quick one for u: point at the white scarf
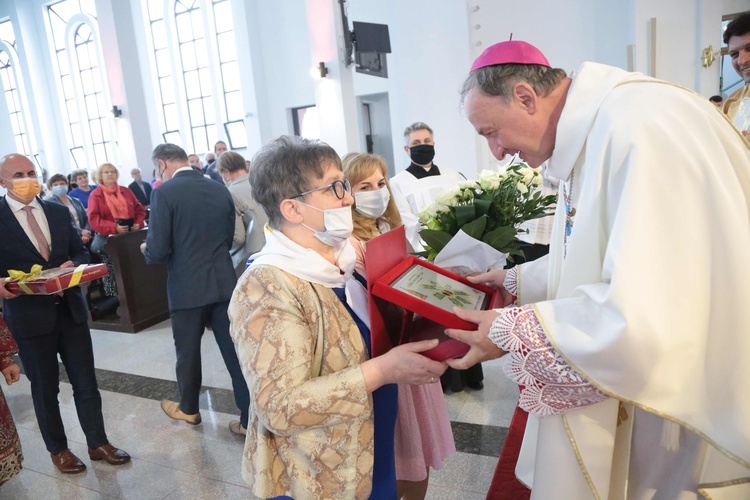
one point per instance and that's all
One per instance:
(307, 264)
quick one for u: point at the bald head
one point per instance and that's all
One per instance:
(13, 163)
(16, 167)
(11, 160)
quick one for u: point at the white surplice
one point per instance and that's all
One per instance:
(647, 295)
(413, 195)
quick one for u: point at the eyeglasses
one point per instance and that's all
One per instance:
(107, 172)
(340, 188)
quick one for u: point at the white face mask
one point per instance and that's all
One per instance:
(338, 225)
(372, 204)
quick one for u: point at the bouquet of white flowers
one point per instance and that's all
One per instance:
(489, 211)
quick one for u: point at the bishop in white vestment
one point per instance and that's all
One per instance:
(631, 337)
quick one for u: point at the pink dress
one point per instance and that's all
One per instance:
(424, 437)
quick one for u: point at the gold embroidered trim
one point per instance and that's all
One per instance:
(643, 407)
(720, 484)
(579, 458)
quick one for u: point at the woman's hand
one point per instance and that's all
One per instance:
(85, 236)
(482, 348)
(403, 365)
(122, 229)
(136, 227)
(12, 374)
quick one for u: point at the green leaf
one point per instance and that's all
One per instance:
(465, 214)
(435, 239)
(500, 238)
(475, 228)
(482, 206)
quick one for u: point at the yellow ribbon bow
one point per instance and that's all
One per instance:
(21, 277)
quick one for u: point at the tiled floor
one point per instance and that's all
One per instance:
(172, 460)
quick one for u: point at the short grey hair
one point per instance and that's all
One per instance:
(286, 167)
(413, 128)
(498, 80)
(168, 152)
(134, 170)
(230, 161)
(75, 173)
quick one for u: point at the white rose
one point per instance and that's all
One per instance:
(448, 197)
(528, 174)
(428, 213)
(467, 185)
(522, 188)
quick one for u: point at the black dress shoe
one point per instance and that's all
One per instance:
(477, 386)
(110, 454)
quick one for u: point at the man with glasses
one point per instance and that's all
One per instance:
(191, 227)
(45, 326)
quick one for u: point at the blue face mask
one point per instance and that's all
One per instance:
(60, 190)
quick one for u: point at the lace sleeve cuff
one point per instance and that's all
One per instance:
(511, 281)
(551, 387)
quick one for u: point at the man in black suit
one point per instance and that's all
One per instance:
(141, 190)
(191, 228)
(41, 232)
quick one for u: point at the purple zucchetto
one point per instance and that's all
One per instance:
(510, 52)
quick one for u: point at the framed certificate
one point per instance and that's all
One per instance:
(432, 292)
(439, 290)
(411, 299)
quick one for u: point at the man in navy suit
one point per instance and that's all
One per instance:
(41, 232)
(191, 228)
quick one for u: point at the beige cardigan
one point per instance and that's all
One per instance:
(308, 436)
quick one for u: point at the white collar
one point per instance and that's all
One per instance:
(17, 206)
(305, 263)
(582, 103)
(187, 168)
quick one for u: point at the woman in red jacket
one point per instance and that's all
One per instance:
(113, 209)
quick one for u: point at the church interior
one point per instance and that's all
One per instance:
(87, 82)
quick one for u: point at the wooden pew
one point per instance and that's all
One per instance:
(142, 287)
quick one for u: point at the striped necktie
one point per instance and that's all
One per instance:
(38, 234)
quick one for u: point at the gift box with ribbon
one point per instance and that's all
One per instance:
(47, 282)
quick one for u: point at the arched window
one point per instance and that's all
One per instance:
(82, 87)
(197, 84)
(14, 93)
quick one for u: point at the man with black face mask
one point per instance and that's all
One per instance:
(413, 190)
(416, 187)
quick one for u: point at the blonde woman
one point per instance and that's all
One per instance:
(423, 436)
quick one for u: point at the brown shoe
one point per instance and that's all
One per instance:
(112, 455)
(237, 428)
(67, 463)
(172, 409)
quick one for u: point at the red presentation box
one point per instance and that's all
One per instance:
(412, 299)
(57, 279)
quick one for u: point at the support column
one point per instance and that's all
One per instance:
(334, 94)
(122, 66)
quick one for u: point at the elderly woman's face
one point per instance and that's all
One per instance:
(323, 199)
(109, 176)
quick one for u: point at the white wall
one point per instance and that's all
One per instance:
(433, 43)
